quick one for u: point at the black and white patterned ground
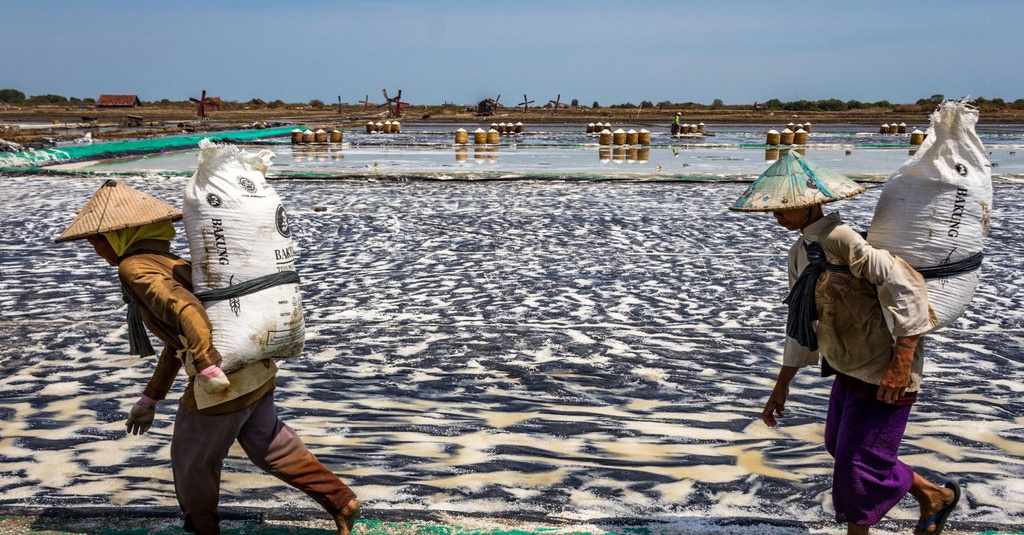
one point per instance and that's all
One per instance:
(553, 350)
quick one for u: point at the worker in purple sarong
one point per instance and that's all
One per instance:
(863, 311)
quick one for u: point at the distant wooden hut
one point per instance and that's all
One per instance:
(257, 102)
(118, 101)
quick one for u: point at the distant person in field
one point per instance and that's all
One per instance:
(677, 123)
(132, 231)
(839, 287)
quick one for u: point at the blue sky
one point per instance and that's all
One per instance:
(610, 52)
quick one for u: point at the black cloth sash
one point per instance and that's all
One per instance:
(138, 342)
(248, 287)
(950, 269)
(802, 309)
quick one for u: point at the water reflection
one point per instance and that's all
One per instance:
(623, 154)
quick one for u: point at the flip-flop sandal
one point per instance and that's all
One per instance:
(940, 517)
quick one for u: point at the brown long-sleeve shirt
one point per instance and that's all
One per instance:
(160, 283)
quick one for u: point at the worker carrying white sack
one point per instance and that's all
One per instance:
(243, 257)
(935, 210)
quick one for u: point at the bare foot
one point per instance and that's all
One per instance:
(346, 518)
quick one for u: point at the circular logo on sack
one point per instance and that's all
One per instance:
(213, 200)
(961, 169)
(282, 222)
(248, 185)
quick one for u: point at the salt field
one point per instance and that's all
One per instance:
(577, 341)
(728, 152)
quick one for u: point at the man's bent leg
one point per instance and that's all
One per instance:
(275, 448)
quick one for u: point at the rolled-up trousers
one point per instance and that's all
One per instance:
(201, 443)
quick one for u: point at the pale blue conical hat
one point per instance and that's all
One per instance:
(794, 182)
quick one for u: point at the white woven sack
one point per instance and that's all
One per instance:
(936, 208)
(237, 231)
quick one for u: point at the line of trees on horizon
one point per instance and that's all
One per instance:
(15, 97)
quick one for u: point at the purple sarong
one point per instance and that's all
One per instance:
(864, 435)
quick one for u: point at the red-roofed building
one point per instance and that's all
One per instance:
(118, 101)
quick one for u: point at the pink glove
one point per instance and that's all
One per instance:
(213, 380)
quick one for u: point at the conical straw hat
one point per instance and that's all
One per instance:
(794, 182)
(116, 206)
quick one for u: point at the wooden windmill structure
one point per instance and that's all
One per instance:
(489, 106)
(525, 104)
(394, 105)
(557, 103)
(202, 103)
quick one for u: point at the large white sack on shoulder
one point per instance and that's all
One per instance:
(936, 208)
(237, 231)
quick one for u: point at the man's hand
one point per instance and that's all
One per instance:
(776, 404)
(141, 417)
(213, 380)
(897, 376)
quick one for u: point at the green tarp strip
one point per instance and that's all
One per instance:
(114, 149)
